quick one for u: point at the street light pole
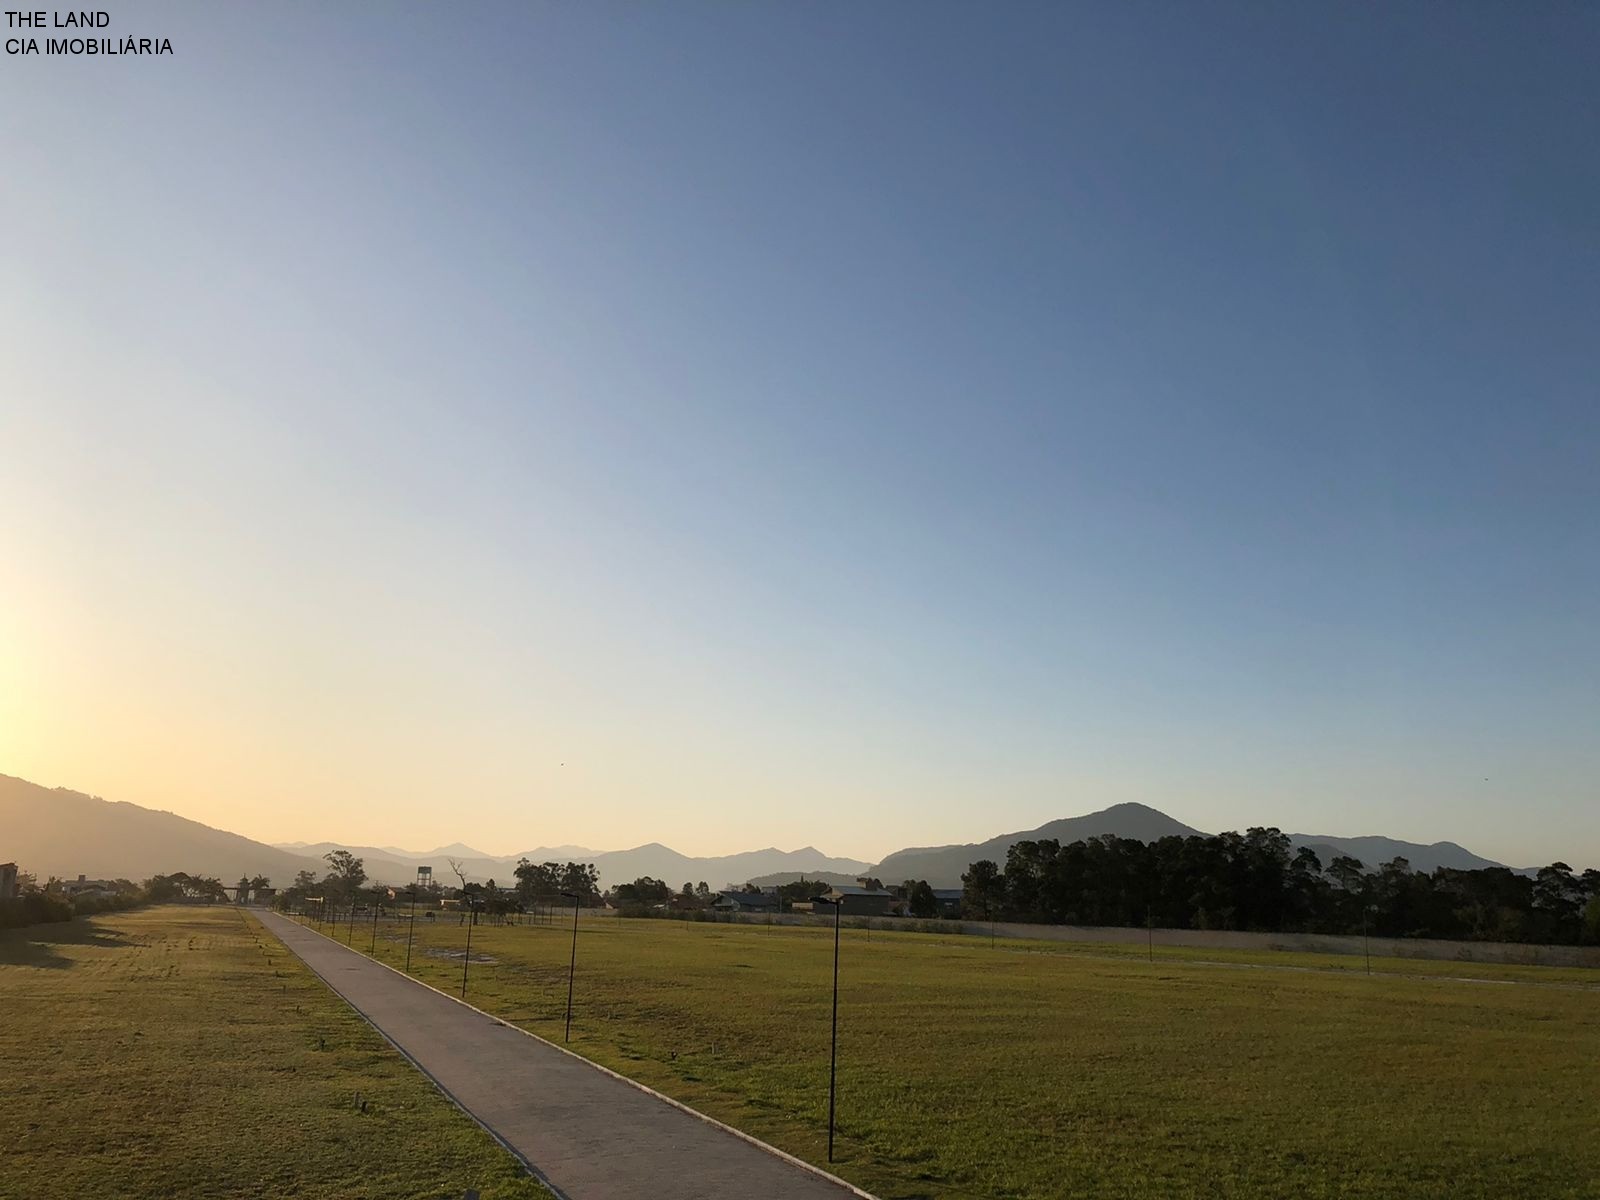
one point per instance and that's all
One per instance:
(350, 933)
(572, 966)
(833, 1048)
(411, 932)
(373, 948)
(467, 958)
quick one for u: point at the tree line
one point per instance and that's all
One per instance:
(1257, 881)
(43, 903)
(345, 883)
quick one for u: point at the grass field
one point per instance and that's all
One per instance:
(1488, 972)
(1031, 1070)
(181, 1052)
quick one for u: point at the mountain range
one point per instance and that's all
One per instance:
(942, 866)
(614, 866)
(55, 831)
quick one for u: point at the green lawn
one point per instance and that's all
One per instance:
(1135, 948)
(181, 1052)
(1032, 1070)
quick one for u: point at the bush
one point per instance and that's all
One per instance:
(38, 908)
(34, 908)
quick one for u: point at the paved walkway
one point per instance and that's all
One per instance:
(587, 1134)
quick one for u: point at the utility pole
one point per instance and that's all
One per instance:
(572, 967)
(466, 959)
(412, 931)
(833, 1052)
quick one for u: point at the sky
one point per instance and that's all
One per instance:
(756, 424)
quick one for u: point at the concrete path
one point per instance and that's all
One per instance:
(587, 1134)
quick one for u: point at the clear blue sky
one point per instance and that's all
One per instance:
(733, 424)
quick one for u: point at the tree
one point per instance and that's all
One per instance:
(347, 873)
(1559, 897)
(922, 901)
(1591, 921)
(1347, 872)
(582, 880)
(983, 888)
(159, 889)
(538, 883)
(644, 891)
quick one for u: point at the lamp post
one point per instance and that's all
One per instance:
(373, 948)
(833, 1048)
(412, 931)
(1366, 943)
(466, 959)
(572, 967)
(350, 933)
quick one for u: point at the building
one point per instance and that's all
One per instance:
(761, 902)
(949, 901)
(89, 887)
(8, 881)
(863, 901)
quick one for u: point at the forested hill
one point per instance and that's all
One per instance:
(54, 831)
(943, 866)
(1257, 880)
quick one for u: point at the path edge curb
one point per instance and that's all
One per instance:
(812, 1168)
(494, 1133)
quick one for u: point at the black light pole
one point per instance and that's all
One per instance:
(410, 933)
(349, 936)
(373, 949)
(833, 1050)
(1366, 944)
(1150, 931)
(572, 967)
(467, 958)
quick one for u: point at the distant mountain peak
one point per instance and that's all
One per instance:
(456, 850)
(942, 866)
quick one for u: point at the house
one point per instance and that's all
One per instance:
(949, 901)
(8, 881)
(862, 901)
(745, 902)
(88, 887)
